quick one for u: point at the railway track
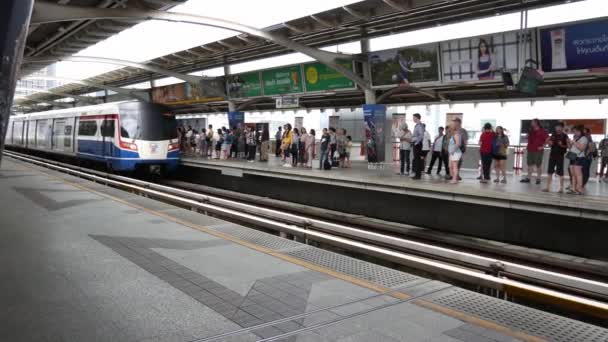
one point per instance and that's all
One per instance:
(566, 291)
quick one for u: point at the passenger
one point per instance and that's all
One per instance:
(295, 147)
(590, 154)
(604, 163)
(558, 142)
(189, 137)
(537, 136)
(333, 144)
(219, 142)
(576, 154)
(237, 148)
(417, 140)
(324, 149)
(499, 153)
(426, 147)
(278, 136)
(286, 144)
(405, 147)
(464, 139)
(455, 152)
(486, 146)
(445, 155)
(309, 147)
(265, 144)
(437, 155)
(302, 148)
(227, 145)
(202, 143)
(341, 147)
(210, 141)
(349, 147)
(251, 145)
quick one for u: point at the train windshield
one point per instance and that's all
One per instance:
(144, 121)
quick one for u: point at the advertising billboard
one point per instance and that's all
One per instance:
(320, 77)
(285, 80)
(575, 47)
(244, 85)
(374, 118)
(207, 90)
(484, 57)
(414, 64)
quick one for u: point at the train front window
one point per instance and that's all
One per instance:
(146, 121)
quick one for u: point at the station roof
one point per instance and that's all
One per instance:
(370, 18)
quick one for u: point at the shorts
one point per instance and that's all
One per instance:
(581, 161)
(556, 166)
(535, 158)
(499, 157)
(456, 156)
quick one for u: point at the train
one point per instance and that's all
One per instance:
(126, 136)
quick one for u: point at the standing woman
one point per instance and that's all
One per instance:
(250, 143)
(576, 154)
(485, 61)
(203, 143)
(341, 146)
(501, 146)
(302, 147)
(286, 144)
(265, 145)
(218, 141)
(455, 154)
(309, 148)
(295, 147)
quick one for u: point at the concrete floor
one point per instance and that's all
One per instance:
(83, 262)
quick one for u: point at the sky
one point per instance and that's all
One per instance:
(152, 39)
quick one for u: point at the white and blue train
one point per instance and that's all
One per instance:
(125, 136)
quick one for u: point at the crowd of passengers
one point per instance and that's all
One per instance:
(297, 147)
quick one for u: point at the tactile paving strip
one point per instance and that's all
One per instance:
(360, 269)
(517, 317)
(257, 237)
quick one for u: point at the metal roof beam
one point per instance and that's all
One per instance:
(139, 95)
(58, 93)
(46, 12)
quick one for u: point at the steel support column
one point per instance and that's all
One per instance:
(14, 21)
(370, 94)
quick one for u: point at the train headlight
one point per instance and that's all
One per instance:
(174, 146)
(128, 146)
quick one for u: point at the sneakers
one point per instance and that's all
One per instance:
(538, 182)
(496, 180)
(504, 181)
(525, 180)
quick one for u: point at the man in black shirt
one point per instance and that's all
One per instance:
(558, 142)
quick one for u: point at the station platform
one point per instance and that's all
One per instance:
(84, 262)
(513, 213)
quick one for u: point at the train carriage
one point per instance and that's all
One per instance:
(126, 136)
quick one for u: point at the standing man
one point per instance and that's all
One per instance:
(417, 140)
(277, 136)
(604, 162)
(559, 145)
(324, 148)
(437, 155)
(537, 136)
(405, 148)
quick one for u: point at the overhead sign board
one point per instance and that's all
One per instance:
(575, 47)
(287, 102)
(244, 85)
(207, 90)
(285, 80)
(414, 64)
(484, 57)
(320, 77)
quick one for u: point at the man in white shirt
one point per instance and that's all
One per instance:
(437, 147)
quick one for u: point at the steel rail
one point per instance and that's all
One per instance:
(260, 217)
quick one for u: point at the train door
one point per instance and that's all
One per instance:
(31, 134)
(58, 134)
(108, 133)
(69, 136)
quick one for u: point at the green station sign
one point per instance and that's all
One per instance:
(286, 80)
(320, 77)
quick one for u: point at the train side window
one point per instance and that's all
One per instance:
(107, 128)
(87, 128)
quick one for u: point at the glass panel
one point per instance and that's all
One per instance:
(107, 128)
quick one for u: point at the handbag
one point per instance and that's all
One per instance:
(571, 156)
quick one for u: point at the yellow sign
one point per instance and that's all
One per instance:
(312, 75)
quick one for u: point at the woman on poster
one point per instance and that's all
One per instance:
(485, 61)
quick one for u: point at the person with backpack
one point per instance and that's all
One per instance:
(558, 142)
(426, 147)
(437, 155)
(537, 136)
(590, 154)
(603, 149)
(499, 154)
(324, 163)
(486, 148)
(576, 155)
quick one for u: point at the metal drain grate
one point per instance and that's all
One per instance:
(257, 237)
(360, 269)
(531, 321)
